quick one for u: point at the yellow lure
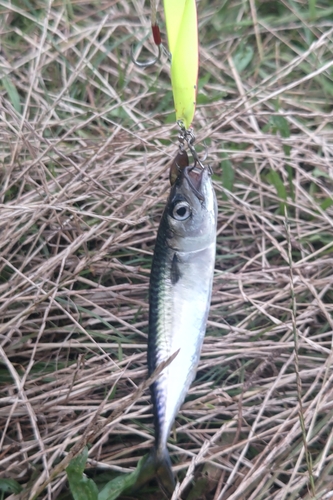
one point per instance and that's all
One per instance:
(182, 30)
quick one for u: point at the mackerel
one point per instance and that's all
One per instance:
(179, 300)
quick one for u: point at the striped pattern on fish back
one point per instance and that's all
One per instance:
(158, 301)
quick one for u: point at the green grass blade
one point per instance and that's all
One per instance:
(10, 486)
(12, 92)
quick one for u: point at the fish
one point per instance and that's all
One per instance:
(179, 300)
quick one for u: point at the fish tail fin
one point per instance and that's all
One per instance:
(165, 476)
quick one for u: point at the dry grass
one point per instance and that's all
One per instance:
(86, 139)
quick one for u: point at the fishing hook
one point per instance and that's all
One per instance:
(158, 41)
(146, 64)
(189, 137)
(195, 191)
(196, 157)
(190, 142)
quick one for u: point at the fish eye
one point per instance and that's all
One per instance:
(181, 211)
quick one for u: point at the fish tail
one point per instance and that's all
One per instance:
(165, 476)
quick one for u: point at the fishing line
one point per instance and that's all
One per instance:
(153, 8)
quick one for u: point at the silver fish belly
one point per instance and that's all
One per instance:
(180, 293)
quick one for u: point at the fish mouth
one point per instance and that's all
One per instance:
(194, 176)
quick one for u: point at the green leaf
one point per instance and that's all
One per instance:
(312, 10)
(199, 488)
(280, 124)
(203, 80)
(243, 57)
(320, 173)
(275, 179)
(328, 202)
(77, 464)
(82, 487)
(114, 488)
(12, 92)
(286, 149)
(10, 486)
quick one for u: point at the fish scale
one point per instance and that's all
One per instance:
(179, 299)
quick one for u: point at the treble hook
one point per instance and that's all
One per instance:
(189, 137)
(146, 64)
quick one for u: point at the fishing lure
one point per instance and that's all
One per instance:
(182, 29)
